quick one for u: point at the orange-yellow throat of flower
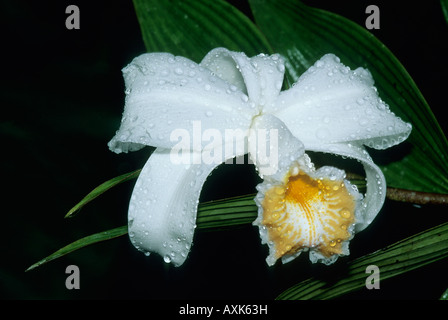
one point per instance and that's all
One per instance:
(308, 213)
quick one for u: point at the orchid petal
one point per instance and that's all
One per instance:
(331, 104)
(376, 182)
(163, 206)
(260, 76)
(167, 93)
(226, 65)
(272, 147)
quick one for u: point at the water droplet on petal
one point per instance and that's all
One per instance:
(345, 213)
(281, 67)
(320, 64)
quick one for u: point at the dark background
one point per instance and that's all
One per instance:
(62, 97)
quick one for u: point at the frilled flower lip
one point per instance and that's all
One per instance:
(330, 109)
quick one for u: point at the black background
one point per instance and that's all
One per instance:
(62, 97)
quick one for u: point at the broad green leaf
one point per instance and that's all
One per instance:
(303, 34)
(406, 255)
(191, 28)
(101, 189)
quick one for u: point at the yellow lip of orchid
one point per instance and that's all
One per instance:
(330, 109)
(308, 210)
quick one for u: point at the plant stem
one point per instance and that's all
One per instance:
(416, 197)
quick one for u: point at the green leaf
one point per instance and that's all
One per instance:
(81, 243)
(444, 296)
(444, 5)
(101, 189)
(211, 215)
(303, 34)
(227, 212)
(191, 28)
(406, 255)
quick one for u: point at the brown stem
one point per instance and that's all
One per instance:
(416, 197)
(410, 196)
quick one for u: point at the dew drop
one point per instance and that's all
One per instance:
(281, 67)
(244, 98)
(345, 213)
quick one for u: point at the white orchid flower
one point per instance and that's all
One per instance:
(236, 106)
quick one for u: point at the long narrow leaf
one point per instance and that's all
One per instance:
(444, 5)
(81, 243)
(101, 189)
(227, 212)
(403, 256)
(444, 296)
(213, 214)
